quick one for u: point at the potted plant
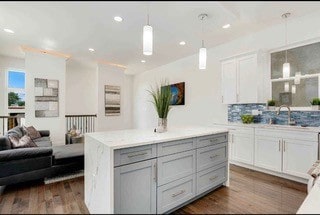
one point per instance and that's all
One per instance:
(161, 100)
(271, 104)
(315, 104)
(247, 118)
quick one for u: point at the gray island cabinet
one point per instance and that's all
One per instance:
(138, 171)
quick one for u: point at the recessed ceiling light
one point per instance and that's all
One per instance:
(117, 18)
(182, 43)
(226, 26)
(8, 30)
(143, 61)
(91, 49)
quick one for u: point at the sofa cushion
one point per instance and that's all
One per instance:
(43, 143)
(23, 142)
(4, 143)
(41, 139)
(32, 132)
(68, 153)
(24, 153)
(16, 131)
(24, 165)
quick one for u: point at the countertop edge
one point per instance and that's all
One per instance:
(206, 133)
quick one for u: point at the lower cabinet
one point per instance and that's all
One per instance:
(268, 153)
(242, 145)
(172, 178)
(298, 156)
(172, 195)
(291, 153)
(210, 178)
(135, 188)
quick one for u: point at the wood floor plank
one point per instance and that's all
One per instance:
(250, 192)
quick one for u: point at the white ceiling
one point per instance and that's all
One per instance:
(73, 27)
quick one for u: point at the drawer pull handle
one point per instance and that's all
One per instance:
(179, 193)
(213, 140)
(214, 156)
(213, 178)
(135, 155)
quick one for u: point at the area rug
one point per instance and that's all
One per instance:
(64, 177)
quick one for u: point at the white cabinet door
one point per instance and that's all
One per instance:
(268, 153)
(247, 79)
(298, 156)
(229, 82)
(242, 147)
(135, 188)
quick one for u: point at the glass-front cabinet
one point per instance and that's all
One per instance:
(302, 85)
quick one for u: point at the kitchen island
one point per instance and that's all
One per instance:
(139, 171)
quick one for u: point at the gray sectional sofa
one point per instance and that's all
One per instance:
(24, 164)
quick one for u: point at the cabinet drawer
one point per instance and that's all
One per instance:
(211, 140)
(212, 177)
(175, 193)
(135, 154)
(176, 146)
(176, 166)
(212, 155)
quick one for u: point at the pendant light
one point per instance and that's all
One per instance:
(202, 50)
(293, 89)
(297, 78)
(286, 87)
(286, 65)
(147, 38)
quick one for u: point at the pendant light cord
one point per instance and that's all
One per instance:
(202, 32)
(148, 13)
(286, 39)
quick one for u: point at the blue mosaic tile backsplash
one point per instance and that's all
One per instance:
(309, 118)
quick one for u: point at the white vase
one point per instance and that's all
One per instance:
(162, 125)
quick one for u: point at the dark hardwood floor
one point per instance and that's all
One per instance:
(249, 192)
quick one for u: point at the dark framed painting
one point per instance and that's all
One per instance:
(178, 94)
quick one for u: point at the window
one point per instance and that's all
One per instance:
(16, 90)
(303, 84)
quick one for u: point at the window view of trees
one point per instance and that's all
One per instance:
(16, 89)
(15, 100)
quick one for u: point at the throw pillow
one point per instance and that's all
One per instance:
(32, 132)
(23, 142)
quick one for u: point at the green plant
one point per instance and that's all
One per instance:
(247, 118)
(271, 102)
(315, 101)
(161, 99)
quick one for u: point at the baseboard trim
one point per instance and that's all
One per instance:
(281, 175)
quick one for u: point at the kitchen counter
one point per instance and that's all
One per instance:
(109, 154)
(311, 204)
(138, 137)
(272, 126)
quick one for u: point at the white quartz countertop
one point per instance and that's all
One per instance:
(272, 126)
(137, 137)
(311, 204)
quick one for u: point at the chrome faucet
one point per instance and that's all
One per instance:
(290, 122)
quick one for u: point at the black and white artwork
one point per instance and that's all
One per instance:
(46, 97)
(112, 100)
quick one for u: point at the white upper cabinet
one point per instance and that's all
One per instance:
(229, 82)
(241, 78)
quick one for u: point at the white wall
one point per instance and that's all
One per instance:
(46, 67)
(81, 88)
(109, 75)
(203, 104)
